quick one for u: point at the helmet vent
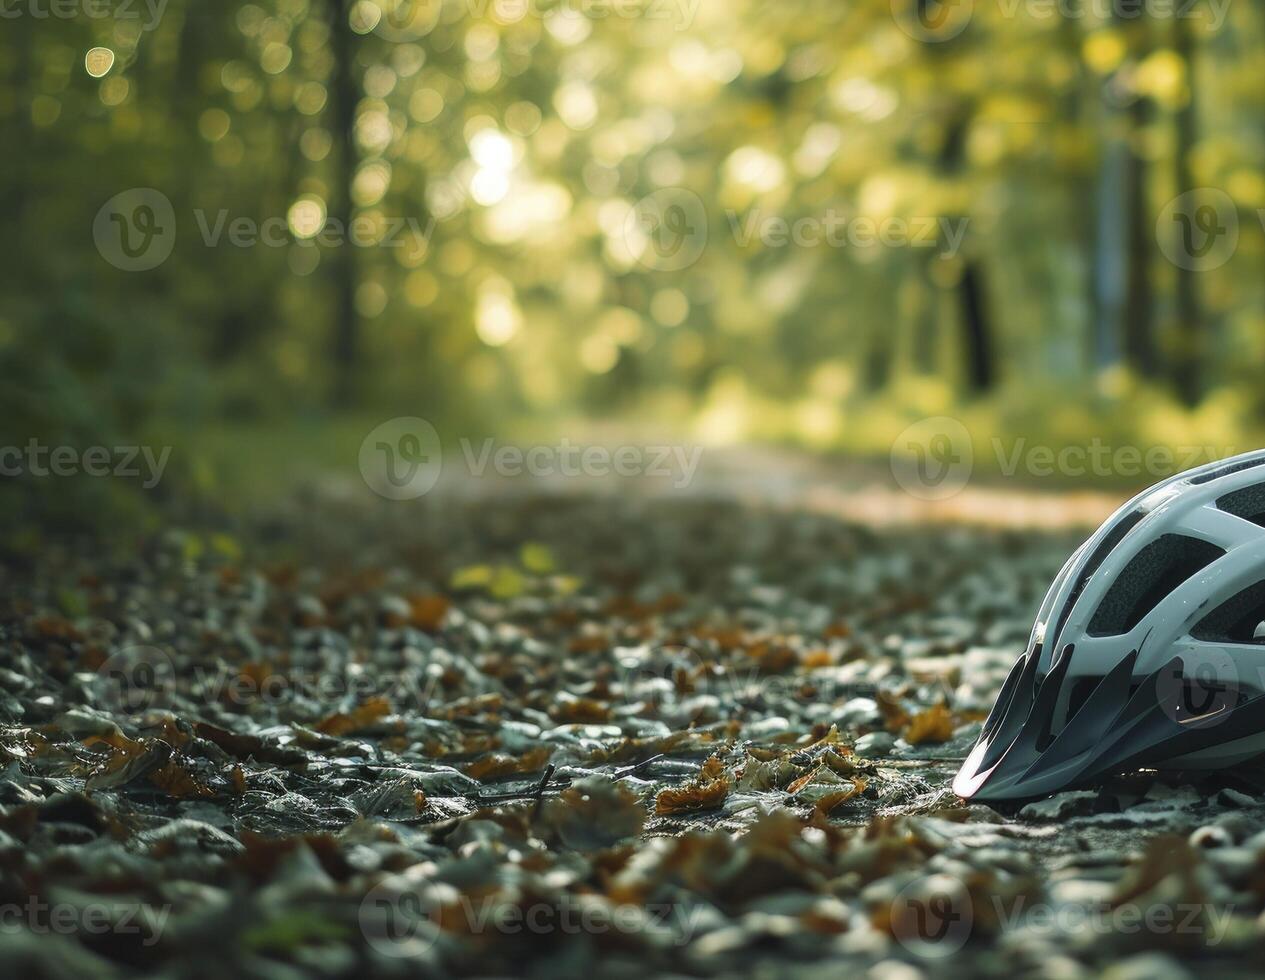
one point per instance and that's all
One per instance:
(1148, 579)
(1078, 694)
(1248, 503)
(1227, 470)
(1105, 547)
(1240, 619)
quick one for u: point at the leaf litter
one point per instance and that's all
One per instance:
(637, 741)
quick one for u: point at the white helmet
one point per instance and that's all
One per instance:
(1149, 649)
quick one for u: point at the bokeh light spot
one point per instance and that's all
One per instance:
(306, 217)
(98, 61)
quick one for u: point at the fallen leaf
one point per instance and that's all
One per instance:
(761, 775)
(596, 812)
(471, 577)
(507, 583)
(707, 791)
(175, 780)
(132, 761)
(931, 727)
(814, 659)
(575, 710)
(536, 558)
(895, 718)
(358, 719)
(824, 784)
(830, 801)
(428, 611)
(497, 766)
(692, 796)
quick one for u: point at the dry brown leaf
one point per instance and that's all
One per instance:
(129, 761)
(478, 705)
(817, 658)
(589, 643)
(637, 749)
(152, 760)
(712, 769)
(767, 775)
(930, 727)
(358, 719)
(829, 737)
(774, 658)
(707, 791)
(832, 800)
(895, 718)
(246, 746)
(497, 766)
(428, 611)
(691, 797)
(823, 783)
(254, 676)
(579, 711)
(800, 783)
(174, 780)
(56, 628)
(840, 759)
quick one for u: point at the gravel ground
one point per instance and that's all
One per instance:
(561, 736)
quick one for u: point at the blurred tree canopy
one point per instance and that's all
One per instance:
(573, 210)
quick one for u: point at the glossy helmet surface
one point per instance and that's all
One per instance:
(1149, 649)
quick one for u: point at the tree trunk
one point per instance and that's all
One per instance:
(1188, 366)
(1111, 237)
(977, 331)
(1139, 335)
(342, 107)
(919, 307)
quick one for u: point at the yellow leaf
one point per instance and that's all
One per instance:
(192, 547)
(536, 558)
(507, 582)
(472, 577)
(567, 584)
(226, 546)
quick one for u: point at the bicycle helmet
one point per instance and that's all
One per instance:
(1149, 649)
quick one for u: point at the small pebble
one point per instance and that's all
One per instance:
(1211, 836)
(1232, 797)
(1061, 806)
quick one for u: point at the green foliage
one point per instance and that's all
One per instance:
(498, 162)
